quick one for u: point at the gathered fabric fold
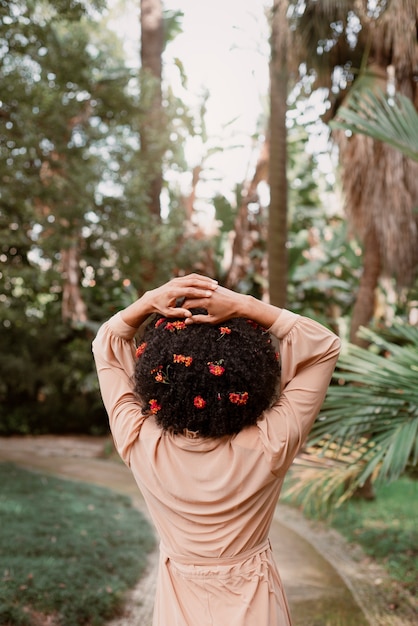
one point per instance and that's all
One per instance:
(237, 590)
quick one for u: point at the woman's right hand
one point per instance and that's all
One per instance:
(225, 303)
(222, 305)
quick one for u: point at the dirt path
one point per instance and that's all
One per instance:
(328, 583)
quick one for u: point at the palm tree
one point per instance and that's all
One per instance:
(393, 120)
(372, 46)
(387, 405)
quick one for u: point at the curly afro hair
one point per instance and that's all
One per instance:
(212, 379)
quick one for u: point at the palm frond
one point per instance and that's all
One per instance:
(321, 485)
(368, 426)
(378, 387)
(391, 120)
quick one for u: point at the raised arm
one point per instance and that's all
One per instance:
(114, 353)
(308, 351)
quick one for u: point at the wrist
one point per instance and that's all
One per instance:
(245, 306)
(137, 312)
(261, 312)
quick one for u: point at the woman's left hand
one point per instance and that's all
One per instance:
(163, 299)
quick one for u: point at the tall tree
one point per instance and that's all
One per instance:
(63, 104)
(152, 149)
(365, 45)
(47, 103)
(390, 180)
(368, 44)
(277, 230)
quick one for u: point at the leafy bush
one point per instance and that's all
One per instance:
(47, 380)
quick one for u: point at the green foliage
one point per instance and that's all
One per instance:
(391, 120)
(79, 549)
(368, 427)
(386, 529)
(324, 266)
(72, 179)
(47, 383)
(55, 117)
(387, 406)
(225, 213)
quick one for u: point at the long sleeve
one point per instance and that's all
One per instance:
(309, 352)
(114, 354)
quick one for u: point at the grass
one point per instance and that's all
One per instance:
(66, 549)
(386, 528)
(387, 531)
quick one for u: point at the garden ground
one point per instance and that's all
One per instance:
(328, 581)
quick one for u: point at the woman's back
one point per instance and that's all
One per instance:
(212, 498)
(207, 497)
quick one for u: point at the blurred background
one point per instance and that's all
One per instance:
(272, 146)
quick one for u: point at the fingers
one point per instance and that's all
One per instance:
(201, 319)
(192, 303)
(193, 287)
(222, 305)
(197, 303)
(177, 312)
(196, 281)
(186, 289)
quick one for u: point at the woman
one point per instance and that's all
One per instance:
(196, 412)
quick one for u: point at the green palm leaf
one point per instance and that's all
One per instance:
(368, 426)
(391, 120)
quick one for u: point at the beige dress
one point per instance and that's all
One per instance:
(212, 500)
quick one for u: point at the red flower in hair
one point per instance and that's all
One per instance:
(240, 397)
(199, 402)
(224, 330)
(177, 325)
(154, 406)
(159, 322)
(180, 358)
(140, 349)
(160, 376)
(216, 368)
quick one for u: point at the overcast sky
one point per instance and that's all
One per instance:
(224, 49)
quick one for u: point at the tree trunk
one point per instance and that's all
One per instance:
(152, 43)
(277, 231)
(73, 306)
(364, 306)
(244, 237)
(363, 312)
